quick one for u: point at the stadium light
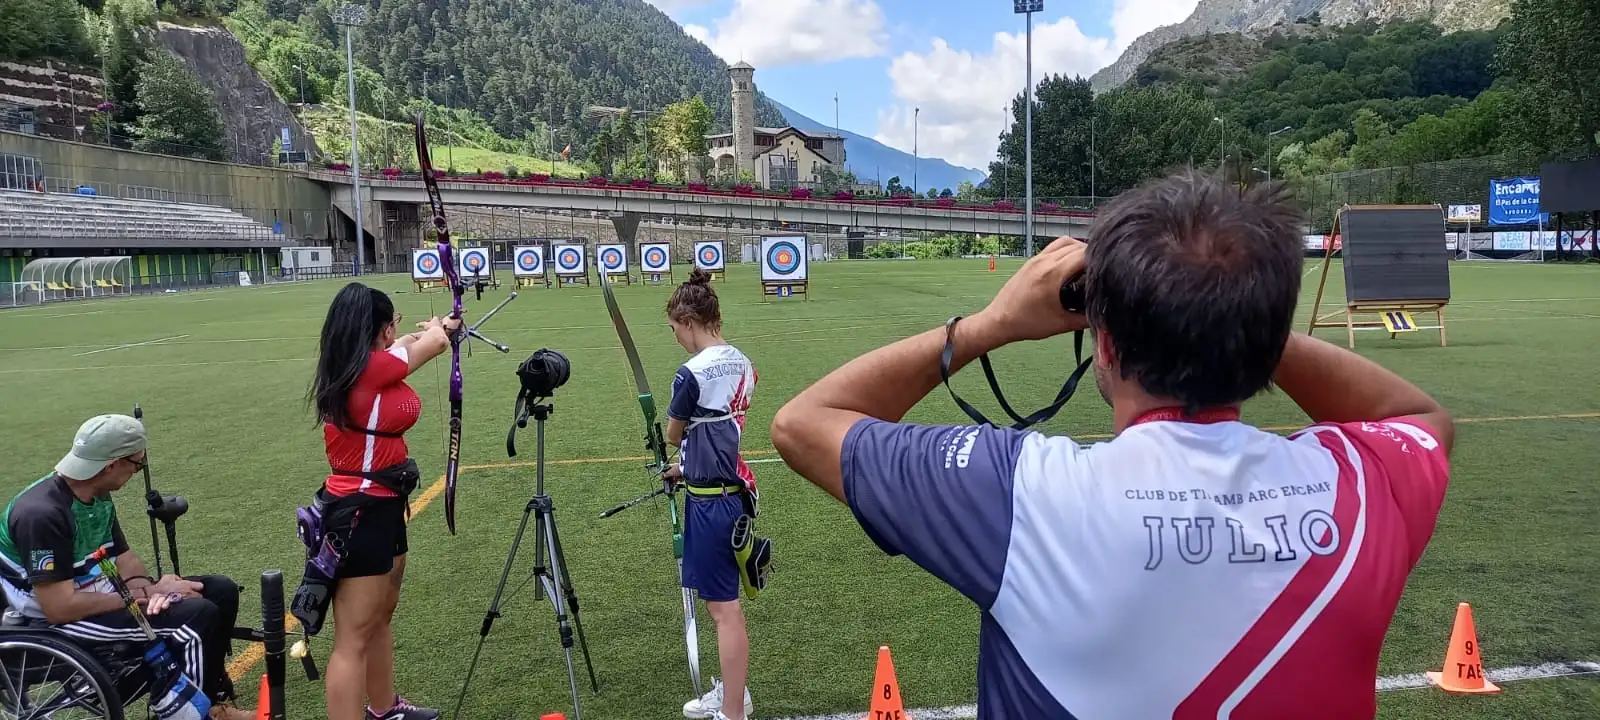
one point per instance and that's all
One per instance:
(351, 17)
(1027, 8)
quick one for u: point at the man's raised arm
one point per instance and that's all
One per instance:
(1332, 384)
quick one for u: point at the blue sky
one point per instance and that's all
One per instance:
(959, 62)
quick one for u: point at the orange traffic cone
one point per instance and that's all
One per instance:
(264, 700)
(1463, 659)
(886, 704)
(991, 263)
(553, 716)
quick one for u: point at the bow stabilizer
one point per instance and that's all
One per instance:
(655, 442)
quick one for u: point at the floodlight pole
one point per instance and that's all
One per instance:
(1027, 8)
(352, 17)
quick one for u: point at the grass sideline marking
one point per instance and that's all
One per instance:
(244, 661)
(129, 345)
(1410, 681)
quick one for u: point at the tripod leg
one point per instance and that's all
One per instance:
(550, 581)
(172, 546)
(563, 581)
(539, 566)
(494, 607)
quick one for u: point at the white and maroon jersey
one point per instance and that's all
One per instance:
(711, 393)
(1183, 569)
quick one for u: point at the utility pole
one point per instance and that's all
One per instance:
(1027, 8)
(352, 17)
(916, 158)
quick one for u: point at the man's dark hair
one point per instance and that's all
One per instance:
(1195, 282)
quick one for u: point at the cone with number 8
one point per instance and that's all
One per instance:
(1463, 659)
(886, 703)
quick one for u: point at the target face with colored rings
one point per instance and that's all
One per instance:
(783, 258)
(569, 258)
(473, 263)
(710, 255)
(611, 258)
(427, 264)
(655, 257)
(529, 261)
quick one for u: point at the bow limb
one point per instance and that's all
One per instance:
(452, 278)
(656, 442)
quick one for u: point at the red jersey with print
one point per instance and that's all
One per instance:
(380, 401)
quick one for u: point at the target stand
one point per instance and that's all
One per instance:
(1394, 267)
(655, 263)
(570, 263)
(712, 257)
(784, 267)
(528, 266)
(612, 259)
(426, 271)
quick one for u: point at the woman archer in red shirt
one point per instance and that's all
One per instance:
(365, 408)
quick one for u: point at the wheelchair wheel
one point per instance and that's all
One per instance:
(48, 677)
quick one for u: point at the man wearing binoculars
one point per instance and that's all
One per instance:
(1193, 565)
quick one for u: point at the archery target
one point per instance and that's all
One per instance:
(613, 259)
(708, 255)
(569, 260)
(475, 262)
(655, 257)
(782, 259)
(425, 264)
(528, 261)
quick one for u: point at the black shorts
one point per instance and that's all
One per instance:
(373, 538)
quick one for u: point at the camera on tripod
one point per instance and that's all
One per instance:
(543, 372)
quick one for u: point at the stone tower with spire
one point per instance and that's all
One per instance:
(743, 76)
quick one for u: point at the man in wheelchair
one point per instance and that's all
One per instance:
(48, 533)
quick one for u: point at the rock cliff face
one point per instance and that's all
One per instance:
(252, 114)
(1217, 16)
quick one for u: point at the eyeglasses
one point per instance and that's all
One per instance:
(397, 318)
(139, 465)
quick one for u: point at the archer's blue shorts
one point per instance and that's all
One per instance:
(709, 566)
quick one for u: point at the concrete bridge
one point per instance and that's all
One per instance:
(713, 208)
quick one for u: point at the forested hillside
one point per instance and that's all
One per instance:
(519, 65)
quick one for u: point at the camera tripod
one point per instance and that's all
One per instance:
(553, 578)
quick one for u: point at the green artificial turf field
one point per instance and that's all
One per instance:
(222, 376)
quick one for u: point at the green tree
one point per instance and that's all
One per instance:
(893, 187)
(179, 115)
(679, 134)
(123, 57)
(1550, 52)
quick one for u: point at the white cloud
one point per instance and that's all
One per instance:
(772, 33)
(1132, 18)
(965, 96)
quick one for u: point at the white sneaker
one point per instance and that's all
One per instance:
(709, 705)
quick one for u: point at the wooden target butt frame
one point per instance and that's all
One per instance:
(612, 259)
(570, 264)
(785, 268)
(712, 257)
(528, 266)
(425, 269)
(1395, 264)
(655, 263)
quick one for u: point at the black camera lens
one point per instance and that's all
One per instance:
(1072, 299)
(543, 372)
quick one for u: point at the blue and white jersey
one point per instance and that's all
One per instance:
(1181, 570)
(711, 392)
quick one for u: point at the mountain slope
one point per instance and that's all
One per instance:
(521, 65)
(872, 161)
(1252, 16)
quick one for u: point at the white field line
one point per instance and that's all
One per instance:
(1410, 681)
(129, 345)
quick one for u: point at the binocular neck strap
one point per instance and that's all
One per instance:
(1071, 386)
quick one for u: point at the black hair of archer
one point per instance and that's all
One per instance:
(695, 301)
(356, 317)
(1195, 282)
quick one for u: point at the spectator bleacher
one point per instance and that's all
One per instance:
(89, 219)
